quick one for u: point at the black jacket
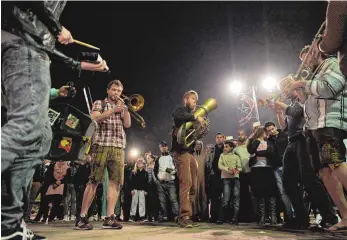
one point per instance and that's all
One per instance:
(279, 143)
(139, 180)
(37, 22)
(181, 115)
(269, 153)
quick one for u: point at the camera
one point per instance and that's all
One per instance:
(71, 90)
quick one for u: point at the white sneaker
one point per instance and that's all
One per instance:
(96, 218)
(23, 233)
(318, 219)
(90, 219)
(66, 218)
(73, 218)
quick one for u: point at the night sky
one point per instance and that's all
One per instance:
(162, 49)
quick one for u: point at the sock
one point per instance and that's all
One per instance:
(83, 215)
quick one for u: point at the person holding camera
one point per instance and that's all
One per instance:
(164, 171)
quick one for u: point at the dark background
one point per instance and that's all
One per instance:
(162, 49)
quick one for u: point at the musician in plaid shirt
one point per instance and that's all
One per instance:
(107, 150)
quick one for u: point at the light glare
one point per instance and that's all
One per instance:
(134, 152)
(236, 87)
(269, 83)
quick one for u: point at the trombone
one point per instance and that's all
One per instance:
(302, 73)
(134, 103)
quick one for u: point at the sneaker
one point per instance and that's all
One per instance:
(90, 219)
(23, 233)
(144, 220)
(111, 222)
(185, 223)
(73, 218)
(66, 218)
(132, 219)
(96, 218)
(83, 224)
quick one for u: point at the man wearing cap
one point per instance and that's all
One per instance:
(185, 162)
(164, 170)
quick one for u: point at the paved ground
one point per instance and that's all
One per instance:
(148, 231)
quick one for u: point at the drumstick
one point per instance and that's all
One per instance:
(85, 44)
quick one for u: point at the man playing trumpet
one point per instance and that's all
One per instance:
(326, 124)
(296, 162)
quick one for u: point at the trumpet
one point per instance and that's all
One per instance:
(134, 103)
(303, 73)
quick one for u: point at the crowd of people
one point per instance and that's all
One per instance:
(238, 180)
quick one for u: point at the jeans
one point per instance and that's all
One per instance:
(282, 194)
(231, 197)
(26, 137)
(70, 199)
(298, 167)
(168, 189)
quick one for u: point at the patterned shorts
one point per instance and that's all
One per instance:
(326, 147)
(111, 158)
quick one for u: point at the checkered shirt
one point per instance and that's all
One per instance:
(109, 132)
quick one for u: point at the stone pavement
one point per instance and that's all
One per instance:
(148, 231)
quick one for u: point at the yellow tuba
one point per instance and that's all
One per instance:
(189, 132)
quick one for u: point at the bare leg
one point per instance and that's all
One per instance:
(341, 174)
(112, 197)
(335, 190)
(88, 197)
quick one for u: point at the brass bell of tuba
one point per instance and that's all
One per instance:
(189, 132)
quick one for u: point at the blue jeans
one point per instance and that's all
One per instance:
(26, 137)
(284, 197)
(231, 197)
(168, 189)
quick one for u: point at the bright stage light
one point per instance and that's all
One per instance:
(269, 83)
(134, 152)
(236, 87)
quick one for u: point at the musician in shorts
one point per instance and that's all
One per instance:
(325, 111)
(107, 151)
(184, 159)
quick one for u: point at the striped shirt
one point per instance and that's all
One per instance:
(109, 132)
(326, 105)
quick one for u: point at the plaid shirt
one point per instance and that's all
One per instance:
(109, 132)
(326, 105)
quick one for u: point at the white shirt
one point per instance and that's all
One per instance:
(164, 163)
